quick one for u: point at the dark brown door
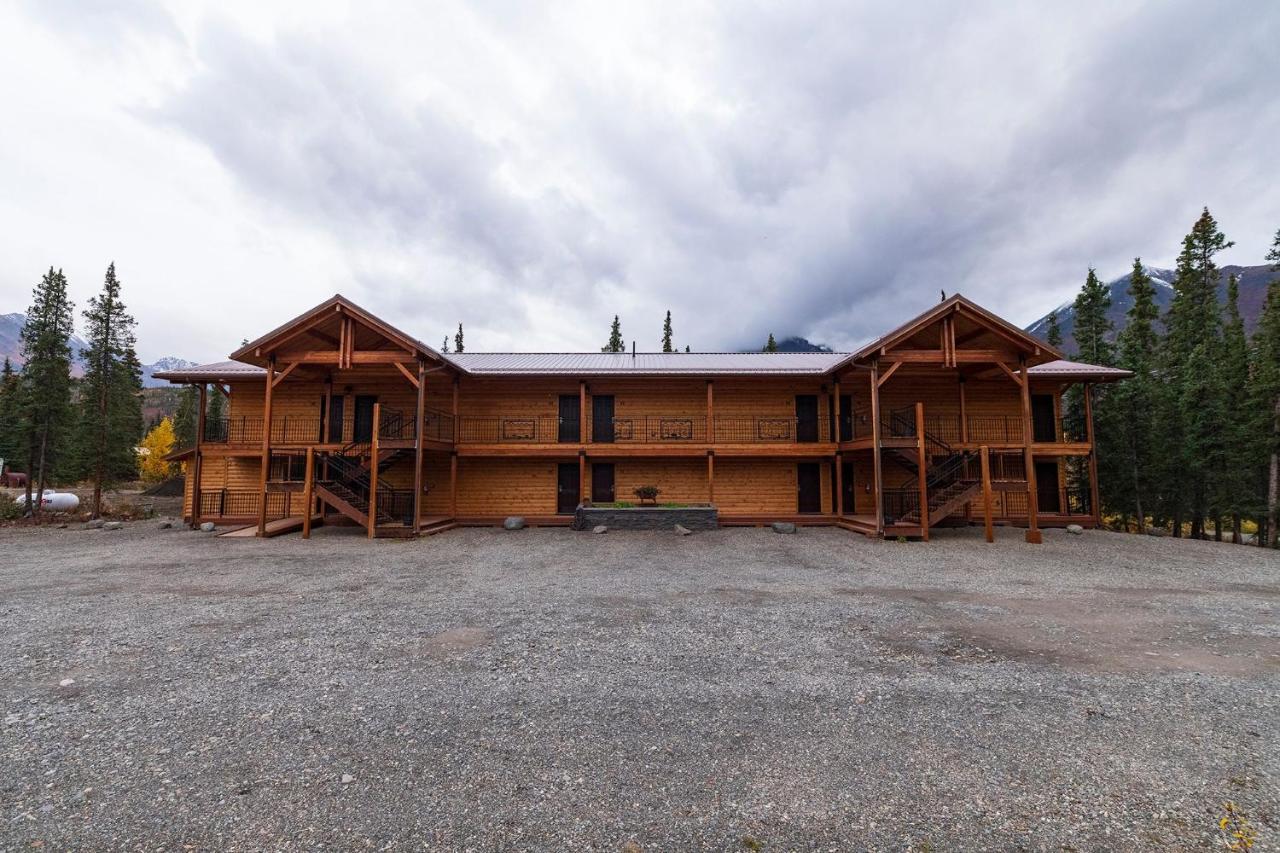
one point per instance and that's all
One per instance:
(602, 483)
(570, 425)
(846, 485)
(806, 417)
(567, 488)
(1047, 488)
(362, 430)
(1044, 425)
(809, 487)
(602, 419)
(337, 409)
(846, 417)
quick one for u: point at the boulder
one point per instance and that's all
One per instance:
(94, 524)
(682, 530)
(113, 525)
(208, 527)
(1248, 539)
(513, 522)
(783, 527)
(1075, 528)
(600, 528)
(1157, 531)
(165, 525)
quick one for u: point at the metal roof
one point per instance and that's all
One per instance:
(646, 363)
(213, 372)
(1076, 370)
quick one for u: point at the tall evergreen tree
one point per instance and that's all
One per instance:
(10, 414)
(1128, 411)
(457, 340)
(444, 347)
(1192, 346)
(1234, 486)
(1092, 328)
(184, 418)
(666, 334)
(1266, 393)
(110, 423)
(770, 345)
(216, 406)
(1054, 335)
(615, 343)
(45, 389)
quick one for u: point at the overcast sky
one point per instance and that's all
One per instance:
(796, 167)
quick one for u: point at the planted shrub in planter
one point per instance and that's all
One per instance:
(647, 494)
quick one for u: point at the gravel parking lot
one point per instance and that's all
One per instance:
(552, 690)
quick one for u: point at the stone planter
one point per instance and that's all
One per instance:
(702, 517)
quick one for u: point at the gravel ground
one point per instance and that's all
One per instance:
(642, 691)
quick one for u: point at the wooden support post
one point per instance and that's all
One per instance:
(308, 488)
(835, 408)
(373, 470)
(197, 462)
(876, 474)
(1033, 502)
(964, 415)
(582, 476)
(453, 485)
(711, 476)
(417, 445)
(1095, 504)
(582, 411)
(711, 412)
(838, 509)
(986, 492)
(922, 465)
(457, 424)
(266, 447)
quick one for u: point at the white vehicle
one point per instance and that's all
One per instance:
(53, 501)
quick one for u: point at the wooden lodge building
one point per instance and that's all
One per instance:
(955, 417)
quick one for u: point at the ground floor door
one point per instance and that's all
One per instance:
(1047, 488)
(602, 483)
(809, 487)
(568, 487)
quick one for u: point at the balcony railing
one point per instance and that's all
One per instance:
(532, 429)
(308, 429)
(763, 429)
(982, 429)
(649, 429)
(242, 503)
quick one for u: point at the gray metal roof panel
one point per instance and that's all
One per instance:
(646, 363)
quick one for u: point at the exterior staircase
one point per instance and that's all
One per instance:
(347, 485)
(950, 480)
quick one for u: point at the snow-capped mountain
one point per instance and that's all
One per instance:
(167, 363)
(11, 348)
(1253, 294)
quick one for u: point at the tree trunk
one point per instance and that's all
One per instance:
(1235, 528)
(44, 443)
(1273, 490)
(31, 470)
(1177, 523)
(1217, 528)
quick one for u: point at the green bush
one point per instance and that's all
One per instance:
(9, 508)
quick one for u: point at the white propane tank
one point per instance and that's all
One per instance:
(54, 501)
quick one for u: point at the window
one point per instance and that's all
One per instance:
(288, 469)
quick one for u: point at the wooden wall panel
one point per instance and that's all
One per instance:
(507, 486)
(762, 486)
(680, 480)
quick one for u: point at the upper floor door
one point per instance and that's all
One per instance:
(1044, 423)
(806, 417)
(846, 417)
(362, 427)
(570, 427)
(602, 418)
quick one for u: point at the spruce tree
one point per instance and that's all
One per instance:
(615, 338)
(770, 345)
(184, 418)
(216, 407)
(444, 347)
(9, 414)
(45, 390)
(457, 340)
(1128, 408)
(1192, 346)
(1266, 394)
(110, 422)
(1054, 336)
(1234, 487)
(1092, 328)
(686, 348)
(666, 334)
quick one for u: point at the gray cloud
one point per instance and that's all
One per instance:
(811, 168)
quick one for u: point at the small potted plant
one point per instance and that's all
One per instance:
(647, 494)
